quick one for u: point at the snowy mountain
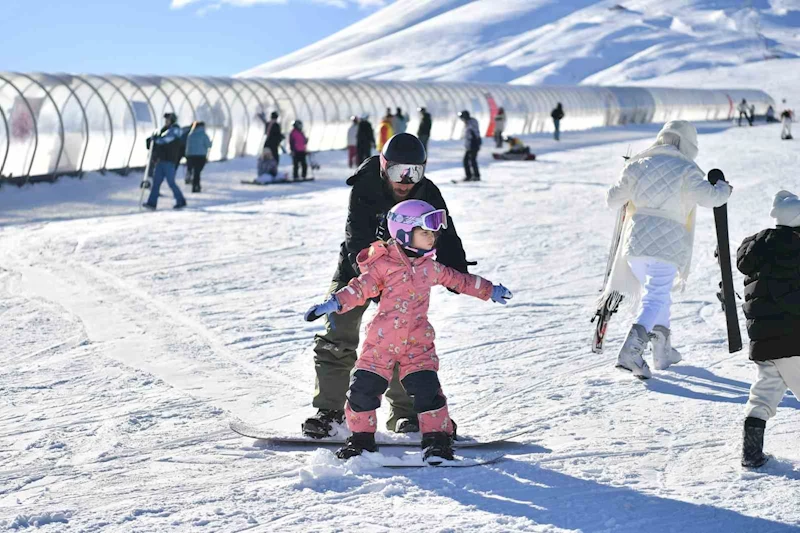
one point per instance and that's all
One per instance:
(548, 41)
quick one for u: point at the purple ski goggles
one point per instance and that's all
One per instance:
(431, 221)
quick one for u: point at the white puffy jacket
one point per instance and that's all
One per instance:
(663, 187)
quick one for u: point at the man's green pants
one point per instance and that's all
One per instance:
(336, 354)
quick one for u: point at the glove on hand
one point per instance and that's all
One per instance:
(500, 294)
(316, 311)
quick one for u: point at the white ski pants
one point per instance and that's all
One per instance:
(656, 278)
(774, 377)
(787, 128)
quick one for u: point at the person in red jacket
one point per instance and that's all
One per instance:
(402, 271)
(297, 145)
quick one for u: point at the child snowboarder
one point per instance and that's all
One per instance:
(402, 271)
(769, 260)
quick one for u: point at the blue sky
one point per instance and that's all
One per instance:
(197, 37)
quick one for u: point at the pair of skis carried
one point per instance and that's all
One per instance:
(404, 440)
(727, 296)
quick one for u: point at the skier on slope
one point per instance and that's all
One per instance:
(472, 144)
(402, 271)
(662, 187)
(380, 183)
(744, 112)
(769, 260)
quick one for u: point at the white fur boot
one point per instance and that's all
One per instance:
(630, 355)
(664, 354)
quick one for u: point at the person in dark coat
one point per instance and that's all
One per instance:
(167, 152)
(770, 261)
(365, 139)
(374, 193)
(499, 127)
(557, 114)
(272, 134)
(472, 144)
(425, 125)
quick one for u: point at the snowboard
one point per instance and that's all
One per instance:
(458, 462)
(723, 253)
(514, 157)
(610, 304)
(147, 179)
(282, 180)
(383, 439)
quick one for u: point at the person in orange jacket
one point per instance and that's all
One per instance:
(385, 130)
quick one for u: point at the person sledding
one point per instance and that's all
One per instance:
(402, 271)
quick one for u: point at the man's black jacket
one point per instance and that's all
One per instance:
(770, 261)
(370, 200)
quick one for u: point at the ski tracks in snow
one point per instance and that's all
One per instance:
(136, 337)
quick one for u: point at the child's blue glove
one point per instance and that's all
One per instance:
(316, 311)
(500, 294)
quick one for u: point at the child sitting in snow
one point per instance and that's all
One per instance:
(770, 261)
(516, 146)
(267, 166)
(402, 272)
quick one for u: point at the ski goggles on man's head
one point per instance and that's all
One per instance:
(403, 173)
(431, 221)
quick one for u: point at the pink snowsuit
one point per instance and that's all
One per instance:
(400, 331)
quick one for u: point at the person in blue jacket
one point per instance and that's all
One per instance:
(197, 146)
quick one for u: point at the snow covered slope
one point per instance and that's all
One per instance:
(548, 41)
(128, 340)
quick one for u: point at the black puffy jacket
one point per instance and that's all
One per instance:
(770, 261)
(365, 135)
(370, 200)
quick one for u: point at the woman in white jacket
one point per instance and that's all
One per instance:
(662, 187)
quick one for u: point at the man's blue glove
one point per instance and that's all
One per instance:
(330, 306)
(500, 294)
